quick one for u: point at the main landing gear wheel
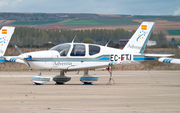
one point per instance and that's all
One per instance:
(40, 80)
(61, 79)
(87, 79)
(38, 84)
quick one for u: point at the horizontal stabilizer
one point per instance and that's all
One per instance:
(13, 59)
(170, 60)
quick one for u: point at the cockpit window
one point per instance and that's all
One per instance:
(62, 49)
(93, 50)
(78, 50)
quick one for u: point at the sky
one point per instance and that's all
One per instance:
(126, 7)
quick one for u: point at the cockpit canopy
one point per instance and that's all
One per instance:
(77, 50)
(63, 49)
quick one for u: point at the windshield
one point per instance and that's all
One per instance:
(62, 49)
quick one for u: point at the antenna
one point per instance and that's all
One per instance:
(73, 39)
(107, 42)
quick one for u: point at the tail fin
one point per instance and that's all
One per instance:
(138, 41)
(5, 37)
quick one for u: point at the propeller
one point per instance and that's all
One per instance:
(18, 50)
(23, 56)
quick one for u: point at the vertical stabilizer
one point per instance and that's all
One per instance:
(5, 37)
(138, 41)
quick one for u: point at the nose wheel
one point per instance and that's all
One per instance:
(40, 80)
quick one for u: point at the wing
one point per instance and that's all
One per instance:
(158, 55)
(88, 66)
(100, 65)
(170, 60)
(127, 62)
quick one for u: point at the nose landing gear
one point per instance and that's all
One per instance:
(40, 80)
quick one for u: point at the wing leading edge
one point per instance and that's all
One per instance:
(158, 55)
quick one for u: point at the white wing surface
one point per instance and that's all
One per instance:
(170, 60)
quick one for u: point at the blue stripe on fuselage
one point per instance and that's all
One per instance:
(100, 58)
(70, 59)
(143, 58)
(88, 59)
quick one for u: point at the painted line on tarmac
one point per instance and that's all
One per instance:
(59, 109)
(76, 110)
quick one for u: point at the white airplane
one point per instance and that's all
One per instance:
(79, 56)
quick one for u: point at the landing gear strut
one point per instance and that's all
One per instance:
(39, 74)
(110, 79)
(61, 79)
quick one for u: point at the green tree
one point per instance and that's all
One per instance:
(164, 45)
(88, 40)
(24, 36)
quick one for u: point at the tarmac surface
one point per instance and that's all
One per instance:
(133, 91)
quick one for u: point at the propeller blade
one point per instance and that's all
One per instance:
(18, 50)
(28, 64)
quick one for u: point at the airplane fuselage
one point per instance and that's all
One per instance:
(81, 55)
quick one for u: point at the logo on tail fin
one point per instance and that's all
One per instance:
(2, 41)
(141, 35)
